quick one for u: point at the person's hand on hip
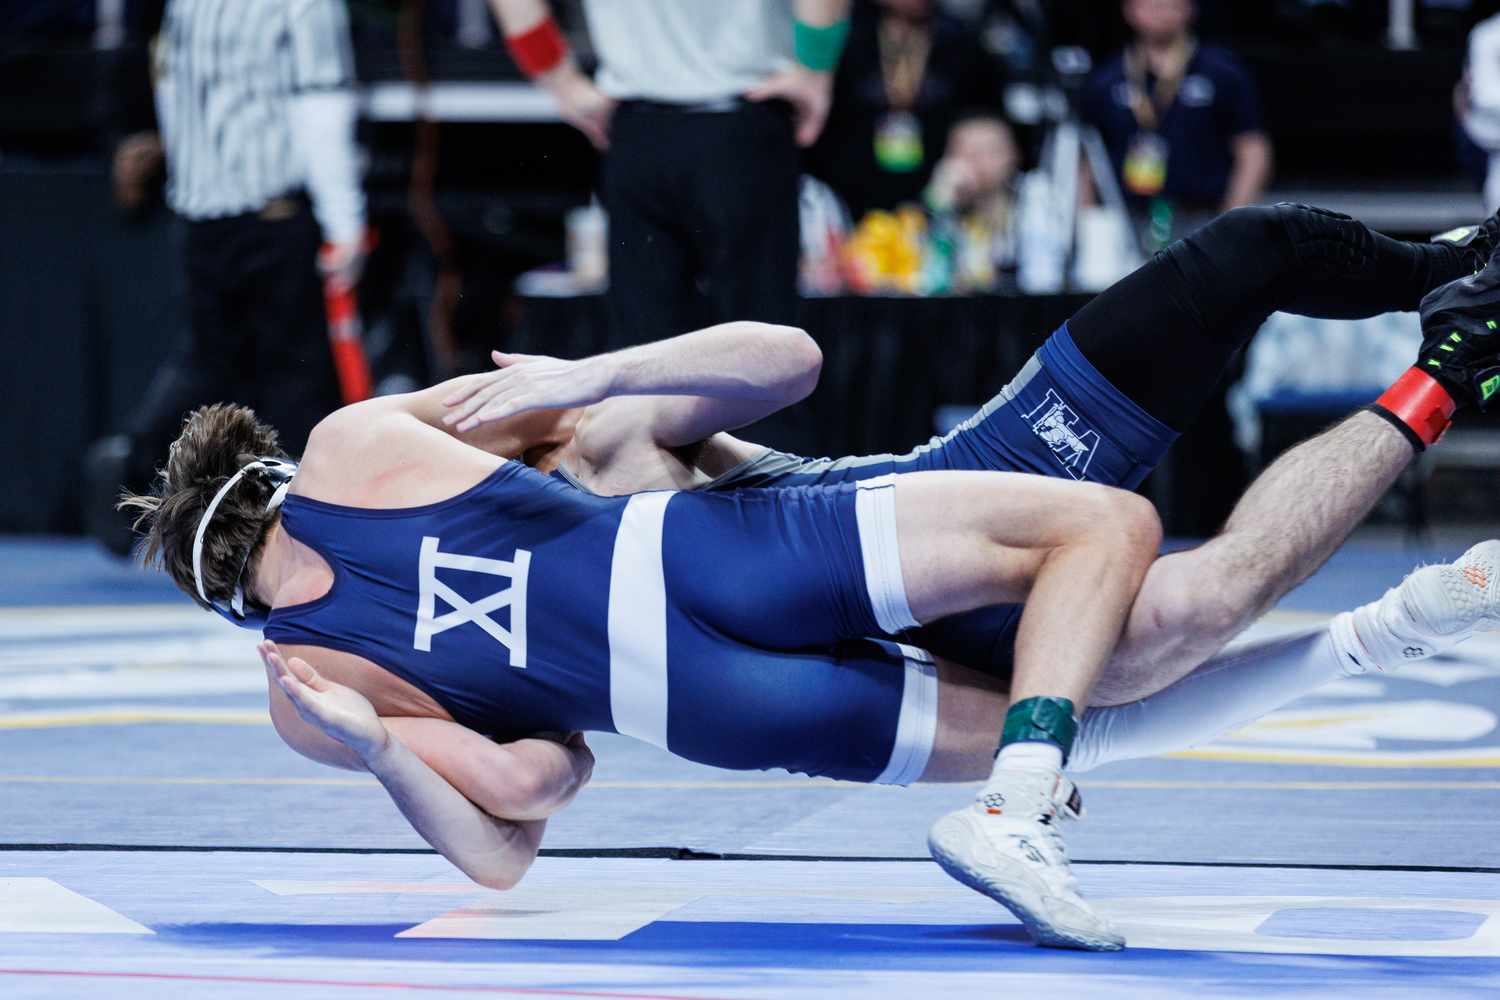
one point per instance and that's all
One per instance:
(810, 95)
(582, 105)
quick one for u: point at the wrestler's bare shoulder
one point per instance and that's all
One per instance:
(377, 454)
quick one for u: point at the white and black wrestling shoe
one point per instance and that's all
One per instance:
(1434, 608)
(1006, 844)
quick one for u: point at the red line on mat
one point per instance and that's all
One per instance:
(338, 982)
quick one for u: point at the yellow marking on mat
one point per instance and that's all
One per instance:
(125, 716)
(1320, 720)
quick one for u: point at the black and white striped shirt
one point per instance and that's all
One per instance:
(255, 101)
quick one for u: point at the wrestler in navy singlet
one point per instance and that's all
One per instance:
(522, 605)
(1058, 417)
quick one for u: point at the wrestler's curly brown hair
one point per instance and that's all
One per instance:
(216, 442)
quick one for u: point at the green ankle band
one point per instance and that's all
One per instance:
(1045, 720)
(819, 48)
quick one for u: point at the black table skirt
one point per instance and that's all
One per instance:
(888, 363)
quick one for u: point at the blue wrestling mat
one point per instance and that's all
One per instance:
(158, 840)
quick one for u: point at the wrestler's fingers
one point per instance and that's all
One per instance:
(271, 657)
(481, 388)
(499, 409)
(305, 672)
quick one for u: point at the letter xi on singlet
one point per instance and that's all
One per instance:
(431, 589)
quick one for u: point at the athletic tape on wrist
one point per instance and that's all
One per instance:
(819, 48)
(538, 50)
(1418, 406)
(1041, 719)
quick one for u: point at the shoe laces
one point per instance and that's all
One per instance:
(1041, 841)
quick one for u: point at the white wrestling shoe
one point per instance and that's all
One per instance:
(1435, 608)
(1007, 845)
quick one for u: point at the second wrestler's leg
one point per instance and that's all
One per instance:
(1303, 507)
(1163, 335)
(1293, 517)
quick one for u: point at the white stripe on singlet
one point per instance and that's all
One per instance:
(875, 514)
(916, 726)
(638, 622)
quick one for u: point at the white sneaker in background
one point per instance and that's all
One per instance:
(1006, 844)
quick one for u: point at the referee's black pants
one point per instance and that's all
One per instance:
(257, 334)
(702, 217)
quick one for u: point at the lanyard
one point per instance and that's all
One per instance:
(903, 60)
(1149, 110)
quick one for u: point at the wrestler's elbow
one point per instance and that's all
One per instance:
(805, 359)
(503, 867)
(499, 875)
(792, 360)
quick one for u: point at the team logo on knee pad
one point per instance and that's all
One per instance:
(1059, 426)
(431, 589)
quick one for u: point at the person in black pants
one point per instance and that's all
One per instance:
(702, 215)
(257, 333)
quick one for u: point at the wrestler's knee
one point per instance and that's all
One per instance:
(1121, 521)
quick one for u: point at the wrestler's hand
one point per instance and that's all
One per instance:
(528, 382)
(337, 711)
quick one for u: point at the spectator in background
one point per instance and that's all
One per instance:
(1477, 101)
(256, 107)
(1181, 122)
(701, 107)
(975, 180)
(909, 72)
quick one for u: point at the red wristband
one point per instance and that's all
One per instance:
(540, 49)
(1420, 404)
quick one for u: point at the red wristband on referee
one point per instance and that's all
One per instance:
(1418, 405)
(540, 49)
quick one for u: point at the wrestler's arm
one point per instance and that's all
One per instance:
(688, 387)
(493, 851)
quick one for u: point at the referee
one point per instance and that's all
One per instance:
(256, 108)
(701, 105)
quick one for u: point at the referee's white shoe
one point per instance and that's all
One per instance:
(1434, 608)
(1006, 844)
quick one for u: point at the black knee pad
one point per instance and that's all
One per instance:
(1326, 244)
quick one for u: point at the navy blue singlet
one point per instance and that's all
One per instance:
(1058, 417)
(713, 625)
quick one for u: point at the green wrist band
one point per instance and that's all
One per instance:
(818, 48)
(1044, 720)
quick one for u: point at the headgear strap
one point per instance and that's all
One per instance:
(283, 470)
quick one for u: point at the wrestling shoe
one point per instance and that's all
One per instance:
(1435, 608)
(1006, 844)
